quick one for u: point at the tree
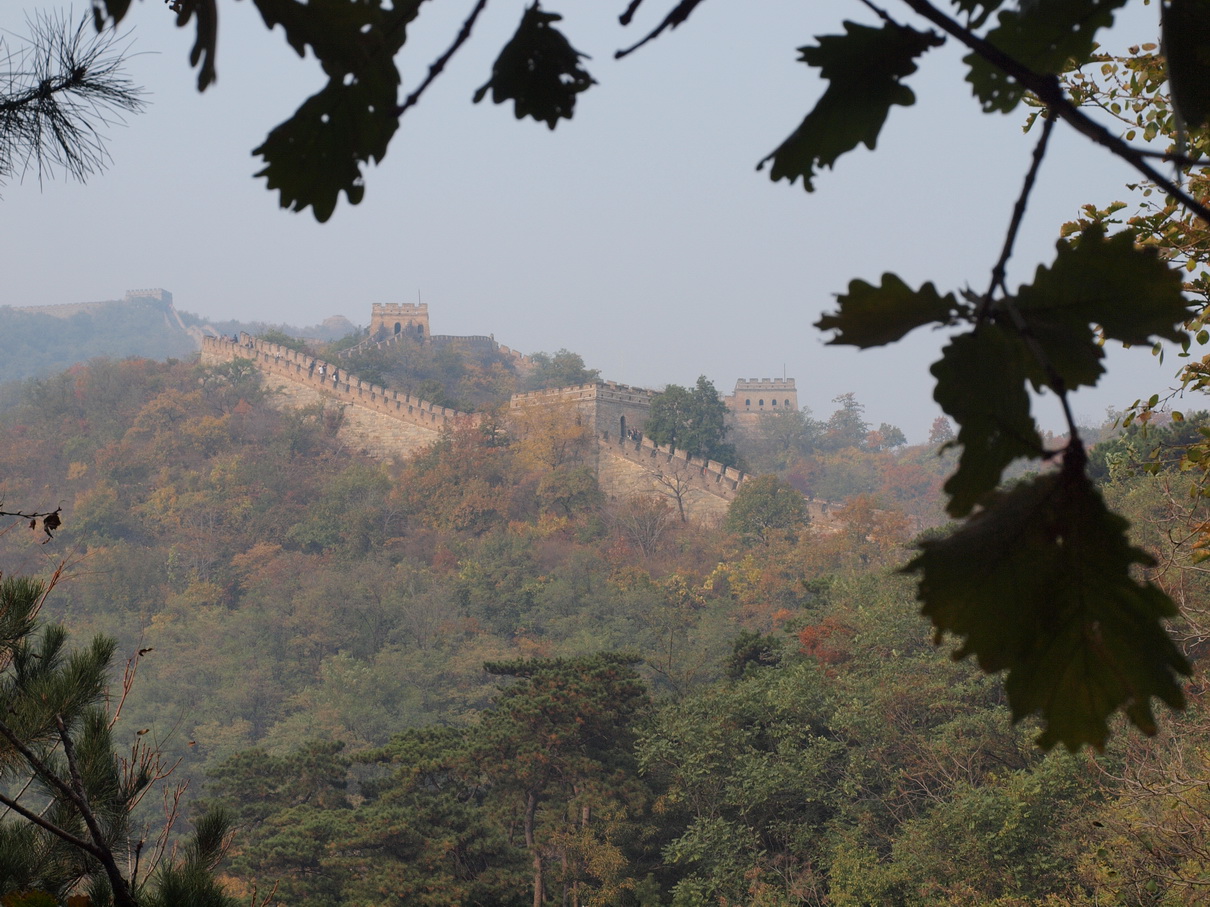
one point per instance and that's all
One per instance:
(691, 420)
(886, 437)
(561, 369)
(550, 435)
(784, 437)
(558, 753)
(1104, 624)
(846, 427)
(941, 432)
(766, 505)
(55, 91)
(67, 796)
(642, 521)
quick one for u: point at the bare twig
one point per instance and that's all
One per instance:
(675, 17)
(1050, 92)
(1010, 240)
(438, 65)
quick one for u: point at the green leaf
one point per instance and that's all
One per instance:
(318, 153)
(538, 70)
(1186, 30)
(981, 384)
(1043, 36)
(863, 68)
(1039, 584)
(1097, 280)
(874, 316)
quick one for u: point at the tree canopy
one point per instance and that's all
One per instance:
(692, 420)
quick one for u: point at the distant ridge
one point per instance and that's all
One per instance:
(40, 340)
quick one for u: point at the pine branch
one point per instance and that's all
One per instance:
(60, 90)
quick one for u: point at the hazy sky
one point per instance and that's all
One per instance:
(637, 234)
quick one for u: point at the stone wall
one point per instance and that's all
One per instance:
(613, 410)
(392, 425)
(623, 472)
(705, 475)
(376, 418)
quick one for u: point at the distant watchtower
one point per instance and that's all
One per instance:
(390, 318)
(763, 395)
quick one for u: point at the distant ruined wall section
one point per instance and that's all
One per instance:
(68, 309)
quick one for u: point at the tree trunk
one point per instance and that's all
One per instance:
(531, 808)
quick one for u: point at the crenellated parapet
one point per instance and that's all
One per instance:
(332, 380)
(617, 412)
(614, 409)
(707, 475)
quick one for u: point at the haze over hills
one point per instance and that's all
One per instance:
(39, 340)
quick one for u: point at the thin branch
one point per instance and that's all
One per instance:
(998, 272)
(629, 12)
(675, 17)
(438, 65)
(121, 888)
(1050, 92)
(33, 514)
(86, 846)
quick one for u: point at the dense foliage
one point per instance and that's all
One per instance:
(693, 420)
(773, 726)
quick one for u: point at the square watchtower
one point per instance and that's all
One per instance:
(763, 395)
(390, 318)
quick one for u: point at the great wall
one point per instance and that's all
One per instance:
(392, 425)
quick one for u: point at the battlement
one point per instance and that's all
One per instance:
(594, 390)
(707, 475)
(400, 309)
(617, 413)
(330, 379)
(764, 384)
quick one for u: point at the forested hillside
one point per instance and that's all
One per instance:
(470, 677)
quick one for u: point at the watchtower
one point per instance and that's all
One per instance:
(763, 395)
(390, 318)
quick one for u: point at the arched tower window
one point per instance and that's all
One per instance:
(398, 327)
(775, 403)
(748, 402)
(762, 402)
